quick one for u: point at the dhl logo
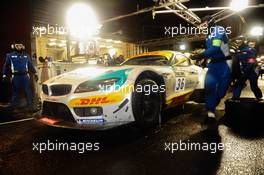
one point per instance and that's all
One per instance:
(106, 99)
(96, 100)
(93, 101)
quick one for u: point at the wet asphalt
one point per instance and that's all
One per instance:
(125, 150)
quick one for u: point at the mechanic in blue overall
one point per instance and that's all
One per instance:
(218, 75)
(20, 64)
(248, 67)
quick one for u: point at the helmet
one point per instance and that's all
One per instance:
(242, 38)
(13, 45)
(209, 19)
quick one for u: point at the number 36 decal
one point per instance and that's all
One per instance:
(180, 84)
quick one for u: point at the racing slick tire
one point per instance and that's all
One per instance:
(246, 113)
(146, 106)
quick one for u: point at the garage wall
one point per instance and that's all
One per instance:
(15, 21)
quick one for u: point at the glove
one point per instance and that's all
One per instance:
(5, 78)
(197, 57)
(36, 77)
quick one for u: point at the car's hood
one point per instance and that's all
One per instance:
(99, 72)
(84, 74)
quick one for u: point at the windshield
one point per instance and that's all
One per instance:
(152, 60)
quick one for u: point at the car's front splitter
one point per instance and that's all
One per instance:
(46, 120)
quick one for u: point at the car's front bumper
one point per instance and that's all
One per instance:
(60, 123)
(61, 111)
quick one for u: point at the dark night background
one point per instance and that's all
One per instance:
(18, 16)
(139, 27)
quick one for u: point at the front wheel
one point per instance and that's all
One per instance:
(146, 103)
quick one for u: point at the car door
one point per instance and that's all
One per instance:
(186, 75)
(179, 79)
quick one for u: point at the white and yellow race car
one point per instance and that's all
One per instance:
(105, 97)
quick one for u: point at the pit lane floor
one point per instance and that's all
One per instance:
(126, 151)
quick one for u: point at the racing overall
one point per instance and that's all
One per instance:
(218, 75)
(247, 58)
(19, 63)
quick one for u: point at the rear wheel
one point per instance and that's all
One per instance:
(146, 103)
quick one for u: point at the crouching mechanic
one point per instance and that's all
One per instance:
(20, 64)
(248, 67)
(218, 75)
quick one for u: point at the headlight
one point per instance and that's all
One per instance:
(96, 85)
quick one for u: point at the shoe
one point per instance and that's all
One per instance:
(210, 114)
(211, 121)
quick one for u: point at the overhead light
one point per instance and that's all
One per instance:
(256, 31)
(109, 40)
(238, 5)
(93, 62)
(62, 45)
(182, 47)
(52, 39)
(82, 22)
(52, 44)
(117, 42)
(97, 38)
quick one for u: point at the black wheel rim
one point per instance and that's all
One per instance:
(149, 105)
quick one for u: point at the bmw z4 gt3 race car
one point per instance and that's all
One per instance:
(105, 97)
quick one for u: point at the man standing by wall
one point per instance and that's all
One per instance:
(16, 27)
(20, 64)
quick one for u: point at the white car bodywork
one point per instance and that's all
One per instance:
(180, 80)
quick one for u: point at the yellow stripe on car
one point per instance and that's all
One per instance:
(178, 98)
(181, 60)
(105, 99)
(167, 54)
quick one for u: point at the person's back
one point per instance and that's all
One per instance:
(247, 58)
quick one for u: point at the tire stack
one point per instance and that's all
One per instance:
(247, 113)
